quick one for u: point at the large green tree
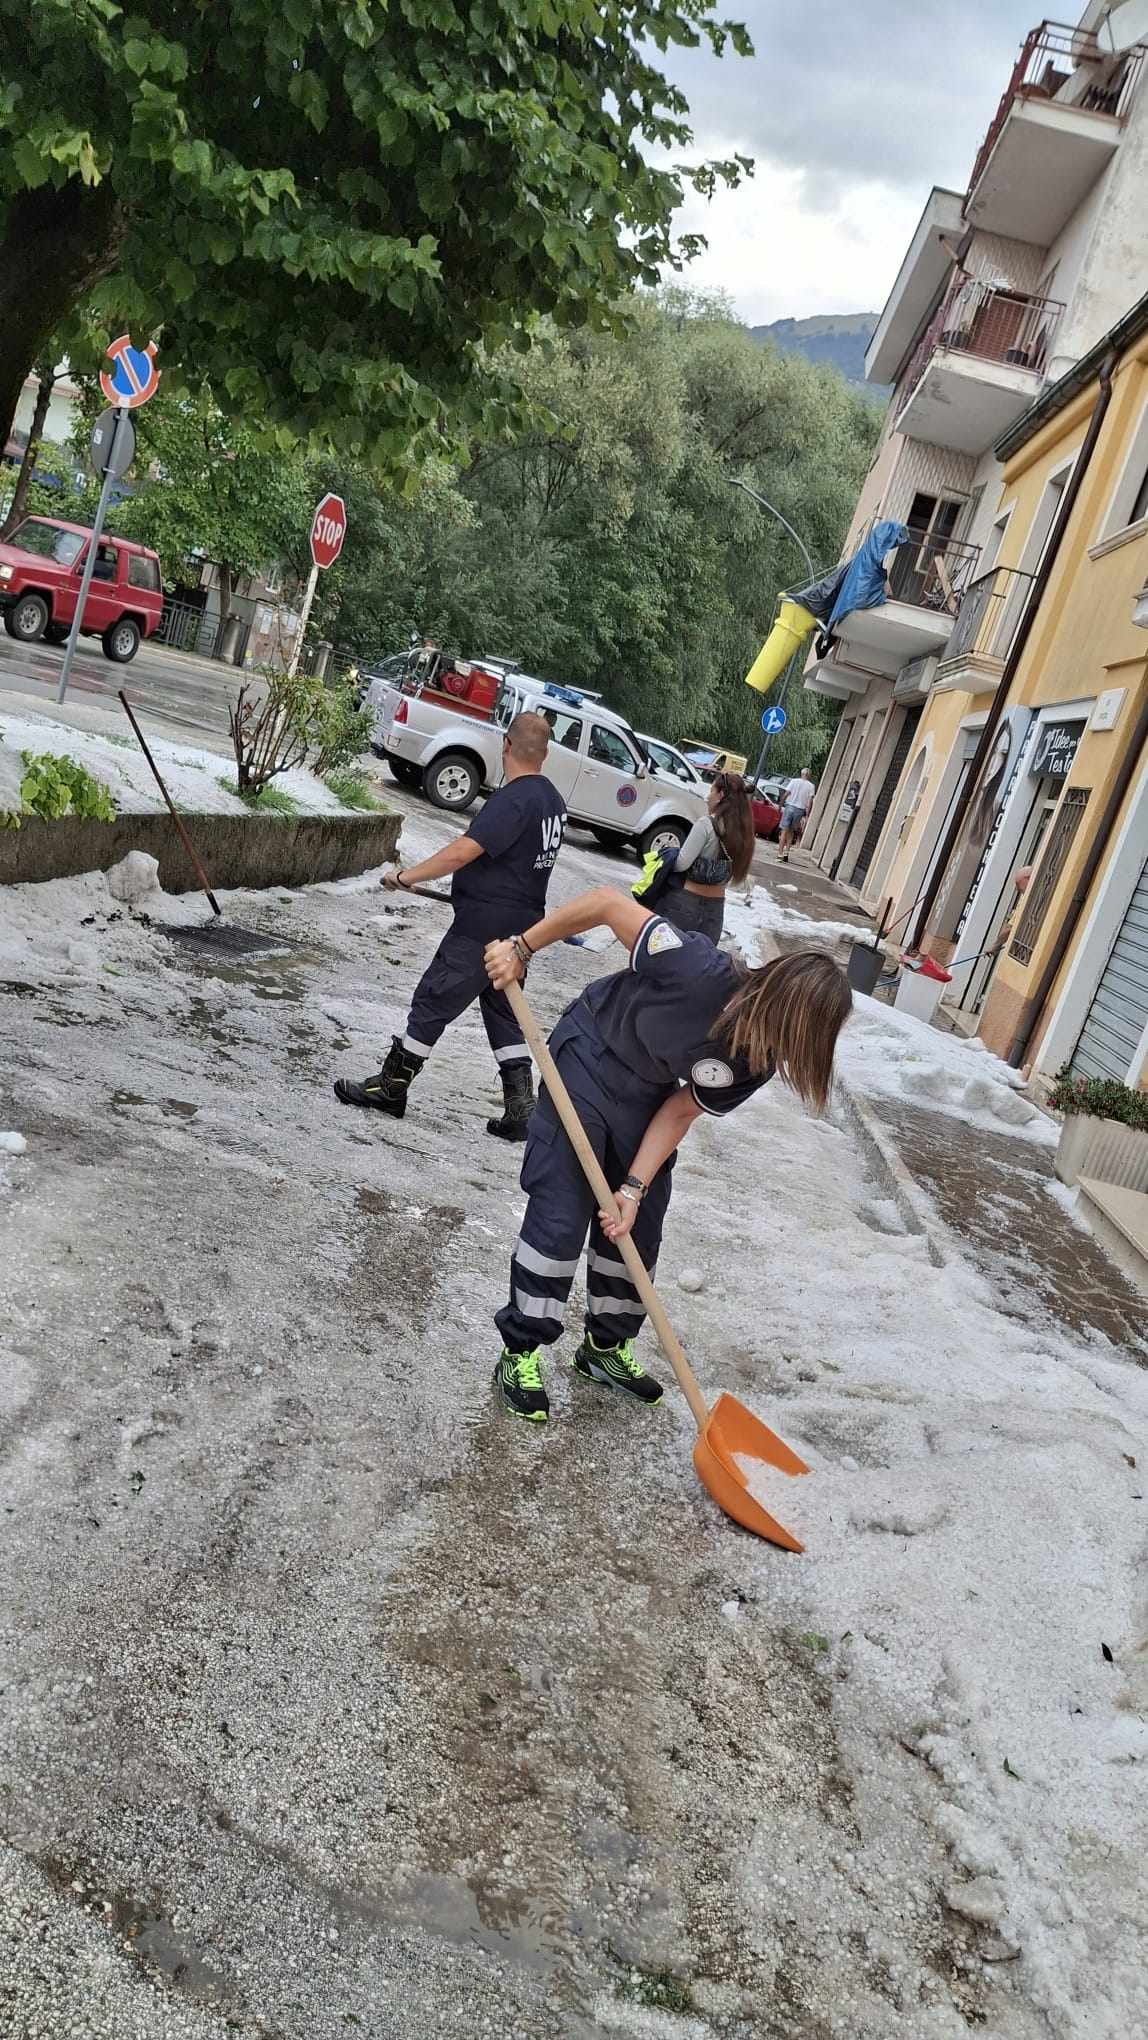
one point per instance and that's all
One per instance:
(335, 211)
(606, 546)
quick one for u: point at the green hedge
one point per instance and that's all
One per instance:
(1101, 1098)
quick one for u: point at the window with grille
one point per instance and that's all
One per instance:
(1062, 835)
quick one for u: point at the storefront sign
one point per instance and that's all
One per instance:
(1055, 749)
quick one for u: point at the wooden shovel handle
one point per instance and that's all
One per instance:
(595, 1176)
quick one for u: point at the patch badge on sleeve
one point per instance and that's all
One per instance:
(661, 938)
(711, 1075)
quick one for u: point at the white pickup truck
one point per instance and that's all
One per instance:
(594, 760)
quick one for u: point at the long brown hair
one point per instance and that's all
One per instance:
(791, 1012)
(733, 822)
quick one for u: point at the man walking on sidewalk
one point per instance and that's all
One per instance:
(798, 801)
(501, 870)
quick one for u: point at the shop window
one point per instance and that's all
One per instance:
(1062, 835)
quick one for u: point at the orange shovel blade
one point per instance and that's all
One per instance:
(732, 1428)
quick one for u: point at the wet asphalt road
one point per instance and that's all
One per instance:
(176, 692)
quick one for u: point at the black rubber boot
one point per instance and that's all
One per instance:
(518, 1101)
(388, 1091)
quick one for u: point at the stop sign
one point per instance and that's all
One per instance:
(328, 530)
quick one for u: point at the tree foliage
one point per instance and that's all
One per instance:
(336, 212)
(215, 493)
(606, 548)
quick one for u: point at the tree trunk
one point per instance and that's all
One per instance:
(56, 244)
(46, 385)
(226, 589)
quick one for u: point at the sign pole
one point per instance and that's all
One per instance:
(308, 598)
(765, 717)
(90, 562)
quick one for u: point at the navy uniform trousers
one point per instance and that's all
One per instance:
(454, 978)
(561, 1209)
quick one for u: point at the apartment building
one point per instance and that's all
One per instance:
(1064, 792)
(1002, 289)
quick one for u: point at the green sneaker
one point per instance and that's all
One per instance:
(519, 1376)
(618, 1368)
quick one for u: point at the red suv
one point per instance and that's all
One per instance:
(41, 567)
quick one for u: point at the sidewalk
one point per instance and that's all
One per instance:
(994, 1190)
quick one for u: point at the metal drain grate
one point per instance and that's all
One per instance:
(221, 939)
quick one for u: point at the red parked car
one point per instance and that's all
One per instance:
(766, 815)
(41, 566)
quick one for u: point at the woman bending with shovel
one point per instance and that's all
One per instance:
(642, 1053)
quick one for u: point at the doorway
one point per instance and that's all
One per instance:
(1037, 823)
(884, 801)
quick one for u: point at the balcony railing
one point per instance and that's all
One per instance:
(989, 323)
(1047, 68)
(932, 572)
(989, 614)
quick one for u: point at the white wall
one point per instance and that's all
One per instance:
(1112, 271)
(60, 422)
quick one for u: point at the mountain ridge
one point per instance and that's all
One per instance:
(829, 339)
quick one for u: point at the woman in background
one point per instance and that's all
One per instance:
(718, 850)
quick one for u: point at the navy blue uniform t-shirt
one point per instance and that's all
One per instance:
(520, 830)
(644, 1031)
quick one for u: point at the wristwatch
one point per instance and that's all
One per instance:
(633, 1188)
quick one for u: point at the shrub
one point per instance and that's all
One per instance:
(342, 731)
(295, 721)
(1100, 1098)
(353, 789)
(269, 800)
(52, 787)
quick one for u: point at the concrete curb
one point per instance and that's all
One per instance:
(238, 851)
(911, 1201)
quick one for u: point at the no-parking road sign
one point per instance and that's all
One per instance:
(135, 376)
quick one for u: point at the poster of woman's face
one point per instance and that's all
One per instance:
(991, 789)
(1006, 746)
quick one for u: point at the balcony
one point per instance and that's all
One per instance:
(1055, 131)
(986, 624)
(926, 267)
(979, 364)
(926, 583)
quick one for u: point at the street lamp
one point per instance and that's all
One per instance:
(736, 483)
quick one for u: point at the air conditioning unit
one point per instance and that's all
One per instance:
(915, 679)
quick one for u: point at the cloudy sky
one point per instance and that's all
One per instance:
(851, 113)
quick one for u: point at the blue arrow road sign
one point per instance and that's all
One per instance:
(773, 721)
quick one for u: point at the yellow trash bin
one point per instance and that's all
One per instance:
(793, 626)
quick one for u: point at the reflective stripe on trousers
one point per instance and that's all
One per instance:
(560, 1211)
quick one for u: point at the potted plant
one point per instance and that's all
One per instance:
(1105, 1131)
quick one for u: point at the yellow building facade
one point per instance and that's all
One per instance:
(1063, 796)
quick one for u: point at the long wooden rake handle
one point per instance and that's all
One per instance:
(595, 1176)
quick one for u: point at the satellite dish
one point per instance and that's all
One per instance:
(1122, 26)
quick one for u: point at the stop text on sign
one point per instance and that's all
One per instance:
(328, 530)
